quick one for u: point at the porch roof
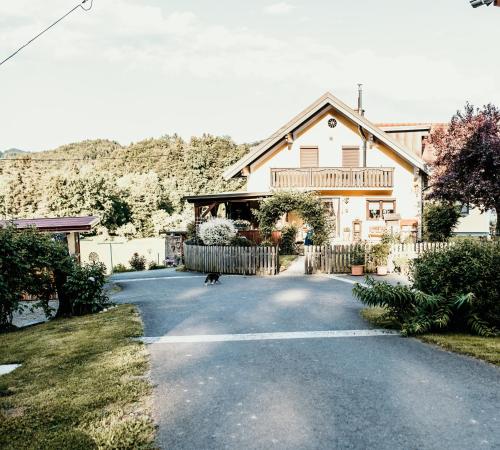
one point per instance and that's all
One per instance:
(227, 196)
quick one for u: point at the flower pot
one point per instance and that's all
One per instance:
(381, 270)
(357, 270)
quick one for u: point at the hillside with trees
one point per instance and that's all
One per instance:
(137, 190)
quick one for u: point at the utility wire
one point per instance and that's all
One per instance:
(80, 5)
(29, 159)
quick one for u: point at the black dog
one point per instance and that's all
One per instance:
(212, 278)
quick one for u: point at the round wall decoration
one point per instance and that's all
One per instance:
(332, 123)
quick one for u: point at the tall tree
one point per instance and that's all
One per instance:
(467, 164)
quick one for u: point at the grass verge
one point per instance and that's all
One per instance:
(286, 261)
(485, 348)
(81, 385)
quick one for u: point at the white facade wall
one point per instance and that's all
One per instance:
(153, 249)
(474, 224)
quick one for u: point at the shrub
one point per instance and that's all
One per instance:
(439, 221)
(195, 240)
(217, 231)
(466, 266)
(266, 243)
(137, 262)
(120, 268)
(454, 288)
(380, 253)
(241, 241)
(85, 286)
(191, 229)
(358, 255)
(288, 236)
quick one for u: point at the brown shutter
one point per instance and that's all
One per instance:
(309, 157)
(350, 156)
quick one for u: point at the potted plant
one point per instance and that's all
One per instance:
(380, 255)
(357, 260)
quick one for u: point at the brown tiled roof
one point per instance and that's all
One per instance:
(83, 223)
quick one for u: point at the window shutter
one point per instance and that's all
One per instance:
(309, 157)
(350, 156)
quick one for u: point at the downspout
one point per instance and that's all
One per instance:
(361, 112)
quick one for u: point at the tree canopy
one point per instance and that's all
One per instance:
(467, 164)
(137, 190)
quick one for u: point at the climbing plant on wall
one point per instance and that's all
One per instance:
(307, 204)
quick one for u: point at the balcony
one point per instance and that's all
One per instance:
(333, 178)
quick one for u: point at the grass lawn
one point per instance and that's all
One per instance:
(81, 385)
(286, 261)
(485, 348)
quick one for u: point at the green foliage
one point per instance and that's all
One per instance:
(191, 229)
(358, 255)
(467, 266)
(266, 243)
(121, 268)
(288, 237)
(242, 224)
(456, 288)
(241, 241)
(195, 240)
(439, 221)
(380, 253)
(137, 262)
(141, 188)
(85, 286)
(38, 264)
(307, 204)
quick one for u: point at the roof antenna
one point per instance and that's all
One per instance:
(360, 100)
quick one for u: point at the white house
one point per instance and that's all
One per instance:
(370, 176)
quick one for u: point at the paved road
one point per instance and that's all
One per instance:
(375, 392)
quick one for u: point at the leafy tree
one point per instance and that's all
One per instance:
(439, 221)
(467, 164)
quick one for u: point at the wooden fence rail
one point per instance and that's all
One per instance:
(337, 258)
(232, 260)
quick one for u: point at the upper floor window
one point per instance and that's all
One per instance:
(350, 156)
(309, 157)
(377, 209)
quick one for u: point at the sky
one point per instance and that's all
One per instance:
(134, 69)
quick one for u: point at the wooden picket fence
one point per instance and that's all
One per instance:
(337, 258)
(232, 260)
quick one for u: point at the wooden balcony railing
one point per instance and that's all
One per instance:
(333, 177)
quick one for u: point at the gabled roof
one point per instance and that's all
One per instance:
(55, 224)
(323, 103)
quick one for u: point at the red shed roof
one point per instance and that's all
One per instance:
(84, 223)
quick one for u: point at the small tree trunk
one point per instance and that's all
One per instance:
(497, 228)
(65, 305)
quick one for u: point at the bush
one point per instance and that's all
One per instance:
(137, 262)
(120, 268)
(241, 241)
(266, 243)
(288, 237)
(358, 255)
(439, 221)
(455, 288)
(380, 253)
(85, 286)
(195, 240)
(467, 266)
(217, 232)
(191, 230)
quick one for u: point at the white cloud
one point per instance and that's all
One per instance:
(279, 8)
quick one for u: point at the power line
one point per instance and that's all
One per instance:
(80, 5)
(23, 159)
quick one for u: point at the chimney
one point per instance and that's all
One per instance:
(360, 100)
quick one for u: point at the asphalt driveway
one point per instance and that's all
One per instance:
(290, 391)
